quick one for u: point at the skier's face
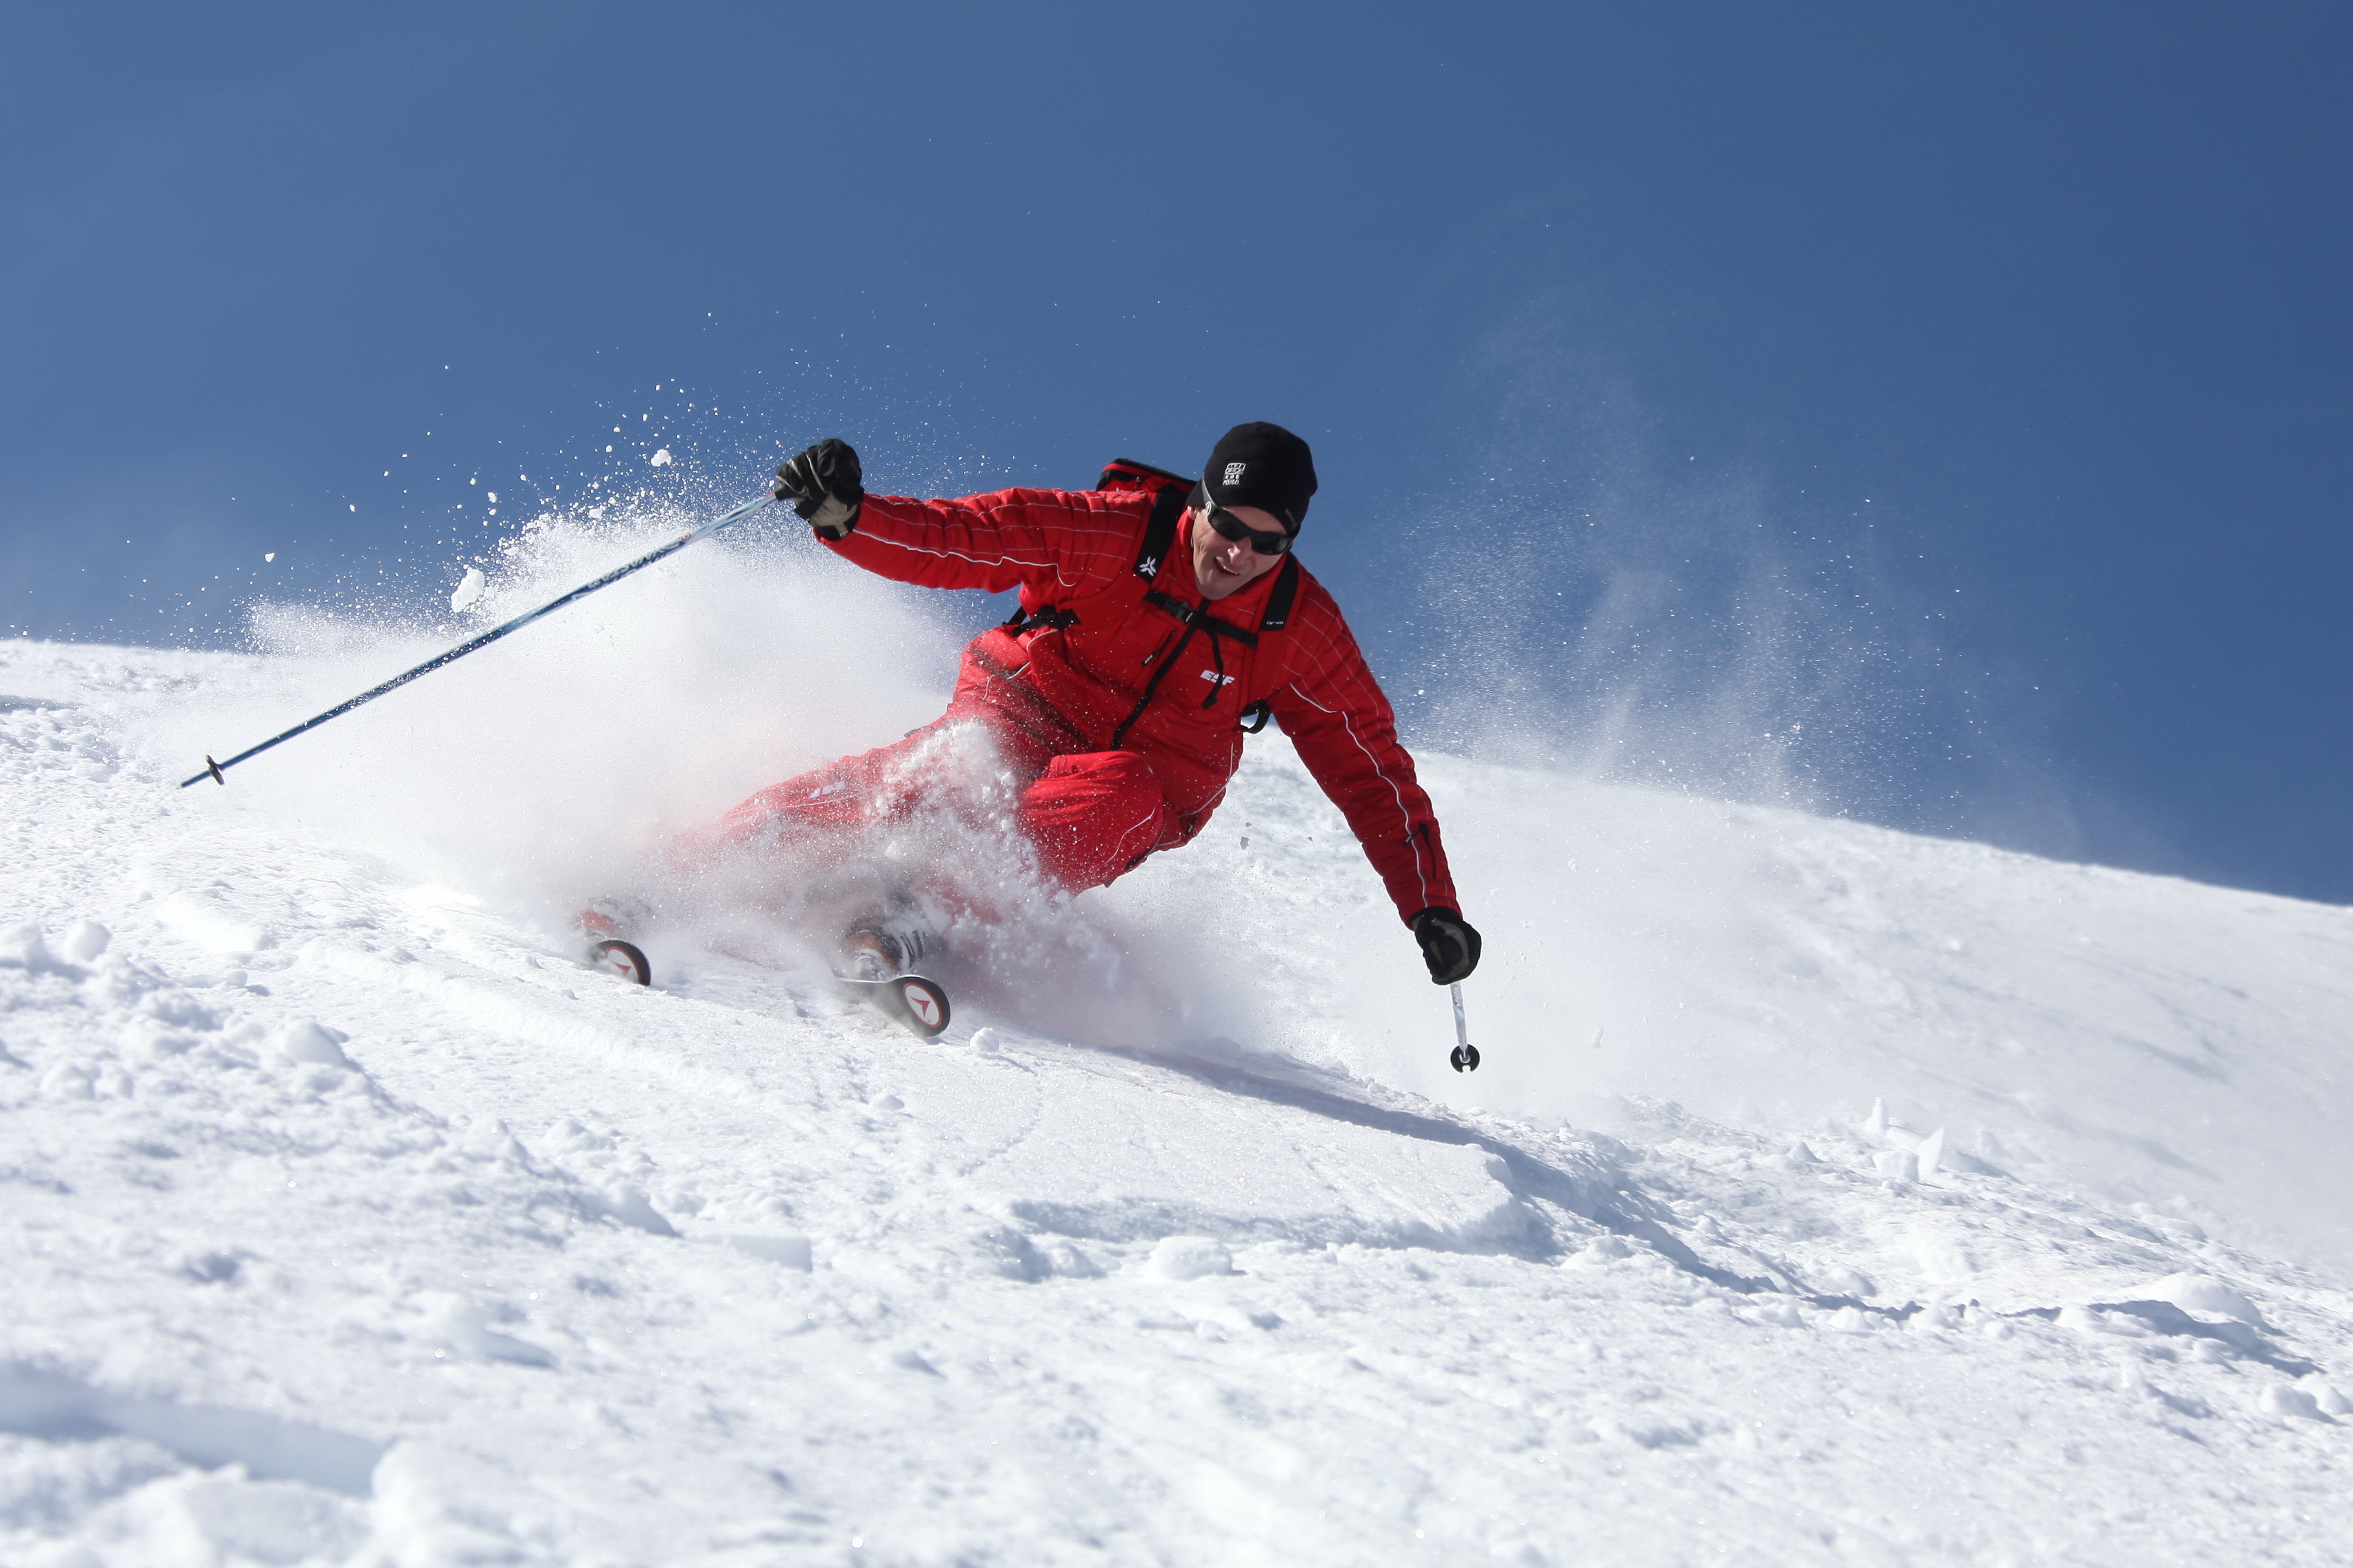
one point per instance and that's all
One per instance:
(1222, 565)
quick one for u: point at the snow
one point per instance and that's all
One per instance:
(470, 587)
(1827, 1194)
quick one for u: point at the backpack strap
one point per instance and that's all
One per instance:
(1168, 495)
(1160, 533)
(1199, 615)
(1275, 618)
(1169, 490)
(1286, 592)
(1044, 615)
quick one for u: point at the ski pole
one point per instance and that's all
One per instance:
(214, 770)
(1466, 1055)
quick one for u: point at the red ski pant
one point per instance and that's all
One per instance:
(1089, 816)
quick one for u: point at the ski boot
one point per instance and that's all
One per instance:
(894, 942)
(881, 951)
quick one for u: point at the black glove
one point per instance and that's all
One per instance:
(1449, 946)
(825, 486)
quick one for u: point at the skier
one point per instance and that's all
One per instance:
(1111, 709)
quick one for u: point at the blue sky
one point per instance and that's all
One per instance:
(1942, 412)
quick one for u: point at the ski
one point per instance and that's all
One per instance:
(921, 1005)
(626, 959)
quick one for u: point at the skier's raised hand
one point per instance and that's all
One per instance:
(825, 486)
(1449, 946)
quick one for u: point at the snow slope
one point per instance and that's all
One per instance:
(1829, 1196)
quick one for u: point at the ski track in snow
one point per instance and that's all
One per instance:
(350, 1221)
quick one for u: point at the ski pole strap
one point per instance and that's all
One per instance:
(214, 770)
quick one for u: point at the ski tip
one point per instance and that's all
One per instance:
(924, 1003)
(622, 958)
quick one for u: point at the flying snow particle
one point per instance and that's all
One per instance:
(469, 590)
(269, 555)
(494, 497)
(660, 457)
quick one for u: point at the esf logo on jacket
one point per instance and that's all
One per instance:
(1214, 678)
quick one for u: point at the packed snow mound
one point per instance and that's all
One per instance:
(1827, 1192)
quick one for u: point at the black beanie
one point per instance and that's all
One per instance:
(1262, 464)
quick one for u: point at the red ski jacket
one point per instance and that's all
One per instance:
(1079, 685)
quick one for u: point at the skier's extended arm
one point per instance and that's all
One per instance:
(1337, 716)
(1061, 540)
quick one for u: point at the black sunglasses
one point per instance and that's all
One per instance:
(1229, 526)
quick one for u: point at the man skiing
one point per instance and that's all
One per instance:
(1154, 622)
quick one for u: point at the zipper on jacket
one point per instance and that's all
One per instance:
(1153, 685)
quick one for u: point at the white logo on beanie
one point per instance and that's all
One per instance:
(1234, 472)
